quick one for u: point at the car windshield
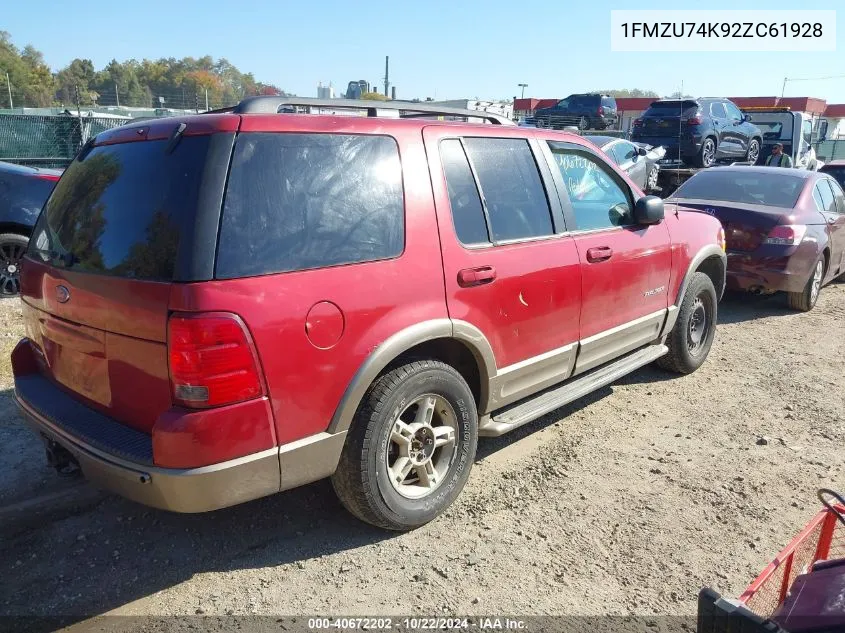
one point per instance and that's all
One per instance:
(774, 189)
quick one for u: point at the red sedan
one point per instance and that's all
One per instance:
(785, 228)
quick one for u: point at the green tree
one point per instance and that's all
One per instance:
(78, 74)
(374, 96)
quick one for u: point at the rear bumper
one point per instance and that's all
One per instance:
(747, 273)
(179, 490)
(675, 148)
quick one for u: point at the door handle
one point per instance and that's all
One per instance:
(469, 277)
(599, 254)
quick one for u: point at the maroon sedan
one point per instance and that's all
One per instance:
(785, 228)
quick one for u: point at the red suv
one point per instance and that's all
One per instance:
(223, 306)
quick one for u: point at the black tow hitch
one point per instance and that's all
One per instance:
(61, 459)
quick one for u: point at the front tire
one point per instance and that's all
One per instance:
(690, 340)
(12, 249)
(411, 446)
(651, 179)
(753, 152)
(805, 300)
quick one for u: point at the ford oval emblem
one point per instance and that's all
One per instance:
(62, 294)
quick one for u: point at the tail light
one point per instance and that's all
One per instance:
(601, 111)
(786, 235)
(50, 177)
(693, 120)
(212, 360)
(638, 122)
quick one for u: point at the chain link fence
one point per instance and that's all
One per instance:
(829, 150)
(48, 141)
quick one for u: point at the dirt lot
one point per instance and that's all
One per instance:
(626, 502)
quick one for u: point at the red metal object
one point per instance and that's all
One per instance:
(823, 538)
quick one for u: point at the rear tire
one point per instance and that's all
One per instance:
(399, 469)
(806, 300)
(690, 340)
(707, 154)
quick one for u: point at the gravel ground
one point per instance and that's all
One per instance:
(625, 502)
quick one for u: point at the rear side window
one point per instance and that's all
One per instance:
(122, 209)
(302, 201)
(467, 212)
(826, 194)
(718, 110)
(608, 102)
(513, 192)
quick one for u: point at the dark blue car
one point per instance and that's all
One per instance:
(23, 191)
(699, 132)
(584, 111)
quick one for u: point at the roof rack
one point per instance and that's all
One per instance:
(405, 109)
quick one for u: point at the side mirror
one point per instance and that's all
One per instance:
(648, 210)
(746, 117)
(641, 151)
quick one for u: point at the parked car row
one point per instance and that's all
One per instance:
(517, 269)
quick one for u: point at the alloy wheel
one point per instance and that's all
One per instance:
(816, 283)
(753, 152)
(11, 254)
(422, 446)
(651, 181)
(708, 152)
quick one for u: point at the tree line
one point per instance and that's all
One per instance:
(182, 83)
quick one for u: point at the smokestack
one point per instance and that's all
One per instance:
(386, 74)
(393, 93)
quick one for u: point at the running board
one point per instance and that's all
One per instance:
(528, 410)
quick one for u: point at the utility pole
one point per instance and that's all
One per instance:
(116, 96)
(523, 86)
(197, 102)
(9, 86)
(206, 99)
(386, 75)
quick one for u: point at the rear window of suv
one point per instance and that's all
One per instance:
(303, 201)
(667, 108)
(122, 209)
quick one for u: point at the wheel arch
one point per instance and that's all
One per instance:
(710, 260)
(457, 343)
(17, 228)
